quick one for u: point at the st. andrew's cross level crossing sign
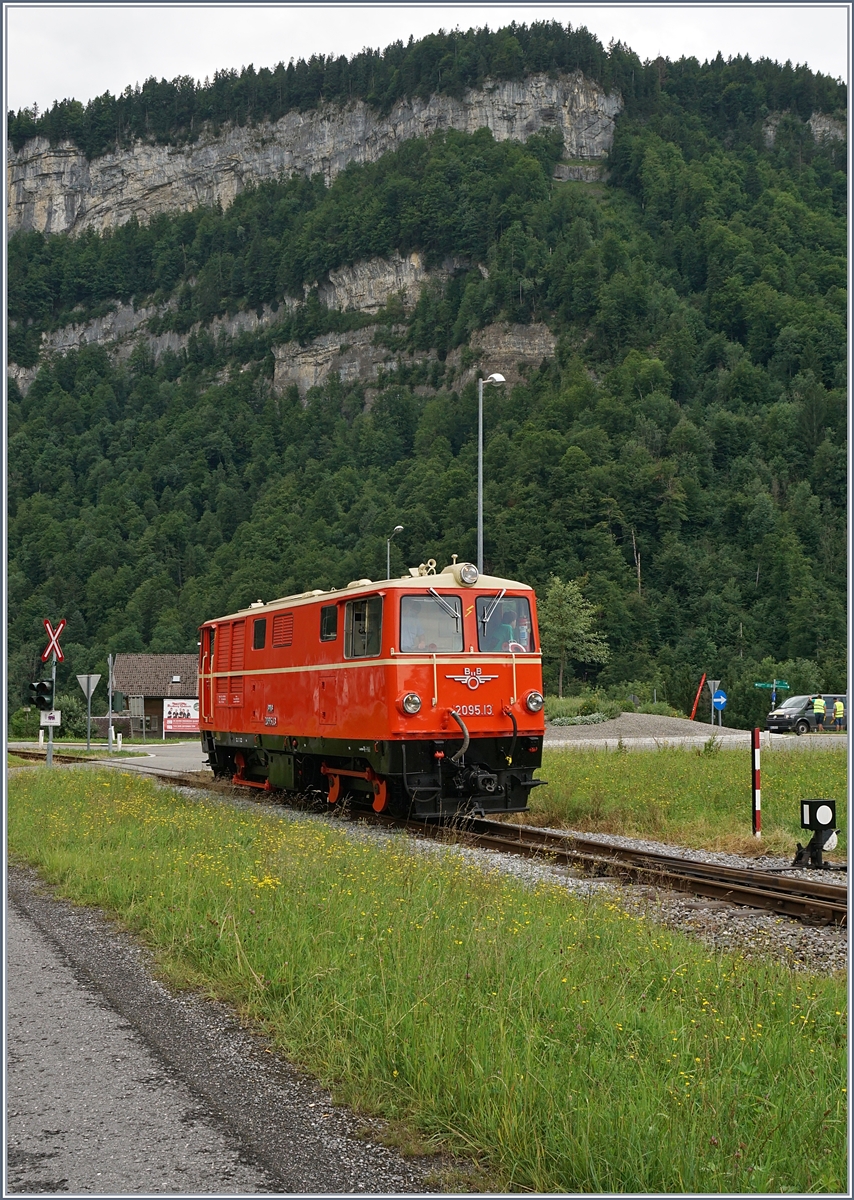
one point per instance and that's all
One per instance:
(53, 646)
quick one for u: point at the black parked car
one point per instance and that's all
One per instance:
(797, 714)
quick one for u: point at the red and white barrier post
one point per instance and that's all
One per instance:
(757, 790)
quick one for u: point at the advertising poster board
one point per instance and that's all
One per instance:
(181, 716)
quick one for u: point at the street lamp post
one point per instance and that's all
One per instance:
(495, 379)
(397, 529)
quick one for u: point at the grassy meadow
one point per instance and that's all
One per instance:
(690, 797)
(561, 1043)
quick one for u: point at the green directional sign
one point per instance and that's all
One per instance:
(779, 683)
(764, 685)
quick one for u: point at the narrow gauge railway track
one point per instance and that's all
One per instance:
(36, 756)
(811, 900)
(815, 901)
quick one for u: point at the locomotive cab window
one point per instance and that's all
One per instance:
(504, 624)
(259, 633)
(363, 627)
(329, 623)
(431, 623)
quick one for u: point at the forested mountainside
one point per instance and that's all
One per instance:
(682, 453)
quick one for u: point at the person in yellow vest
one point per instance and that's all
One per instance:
(819, 708)
(838, 714)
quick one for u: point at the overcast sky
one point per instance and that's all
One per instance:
(83, 50)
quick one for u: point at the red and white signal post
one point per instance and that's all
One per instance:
(757, 787)
(52, 651)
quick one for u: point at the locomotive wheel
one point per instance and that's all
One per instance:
(380, 795)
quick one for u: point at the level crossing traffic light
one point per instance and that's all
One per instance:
(41, 694)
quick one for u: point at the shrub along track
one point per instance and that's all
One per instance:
(813, 901)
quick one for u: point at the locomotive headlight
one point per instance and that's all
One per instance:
(468, 573)
(534, 702)
(411, 703)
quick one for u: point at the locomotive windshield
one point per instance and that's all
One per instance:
(431, 623)
(504, 624)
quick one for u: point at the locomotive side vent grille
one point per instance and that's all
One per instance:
(223, 648)
(238, 637)
(283, 629)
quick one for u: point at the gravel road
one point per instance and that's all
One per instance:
(115, 1086)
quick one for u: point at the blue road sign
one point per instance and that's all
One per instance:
(719, 699)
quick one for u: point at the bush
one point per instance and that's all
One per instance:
(24, 723)
(73, 716)
(588, 719)
(576, 710)
(661, 709)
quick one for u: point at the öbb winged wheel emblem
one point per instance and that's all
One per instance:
(472, 679)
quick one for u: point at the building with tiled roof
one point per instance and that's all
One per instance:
(156, 675)
(151, 679)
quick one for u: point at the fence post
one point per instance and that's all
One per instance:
(757, 789)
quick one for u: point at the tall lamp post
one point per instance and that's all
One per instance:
(397, 529)
(495, 379)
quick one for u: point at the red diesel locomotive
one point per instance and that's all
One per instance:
(421, 695)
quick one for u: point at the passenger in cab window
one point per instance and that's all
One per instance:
(505, 627)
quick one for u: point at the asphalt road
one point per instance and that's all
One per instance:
(117, 1087)
(90, 1106)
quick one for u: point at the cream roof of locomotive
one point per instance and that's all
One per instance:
(444, 579)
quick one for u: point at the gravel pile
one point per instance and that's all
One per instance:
(640, 725)
(646, 731)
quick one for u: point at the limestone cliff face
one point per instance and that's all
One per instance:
(354, 357)
(368, 286)
(364, 287)
(824, 127)
(56, 190)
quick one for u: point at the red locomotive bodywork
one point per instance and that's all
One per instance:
(317, 691)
